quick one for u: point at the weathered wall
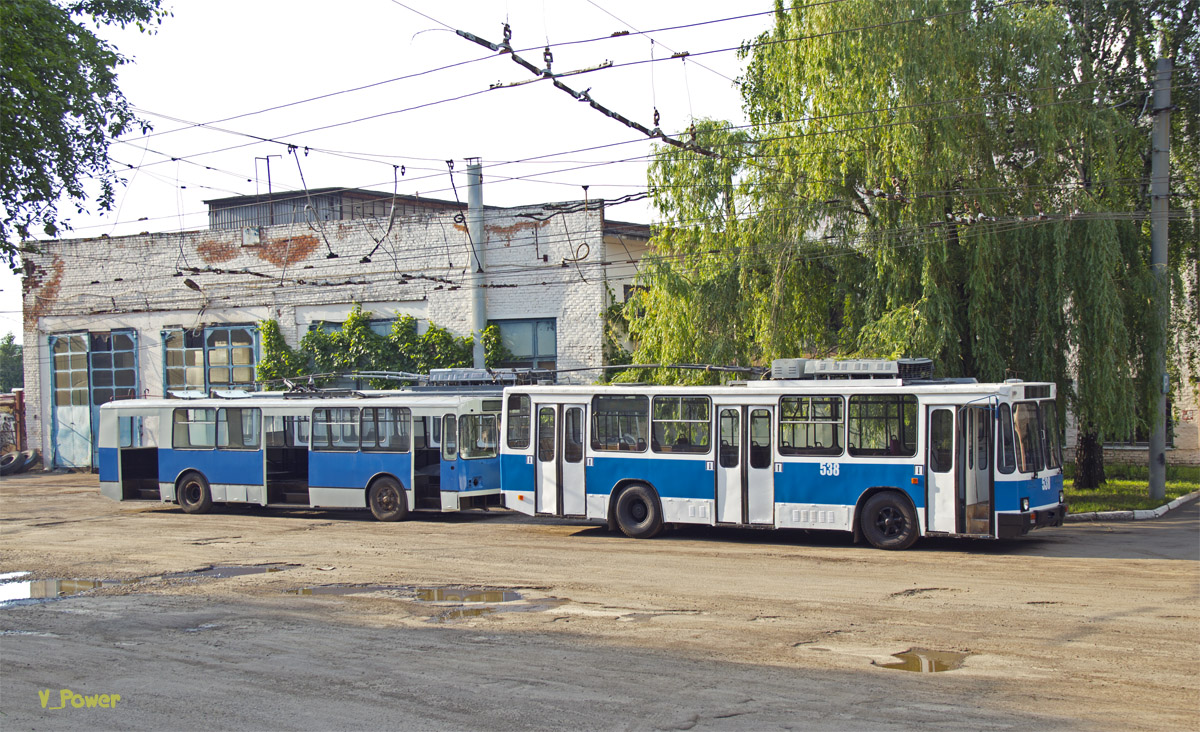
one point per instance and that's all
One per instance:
(540, 263)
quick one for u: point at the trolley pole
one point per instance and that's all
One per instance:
(1160, 178)
(476, 237)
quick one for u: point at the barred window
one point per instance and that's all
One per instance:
(619, 422)
(883, 425)
(681, 424)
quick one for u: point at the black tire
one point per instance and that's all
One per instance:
(387, 500)
(193, 494)
(638, 512)
(29, 459)
(10, 461)
(888, 521)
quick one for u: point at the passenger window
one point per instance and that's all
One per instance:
(680, 424)
(449, 437)
(335, 429)
(195, 429)
(620, 422)
(546, 434)
(385, 429)
(811, 425)
(883, 425)
(518, 421)
(573, 435)
(239, 429)
(760, 439)
(1007, 459)
(941, 441)
(730, 449)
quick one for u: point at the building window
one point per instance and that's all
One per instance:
(216, 357)
(531, 343)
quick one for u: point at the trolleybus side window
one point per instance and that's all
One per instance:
(239, 428)
(1006, 460)
(573, 434)
(1029, 452)
(335, 429)
(681, 424)
(941, 437)
(449, 437)
(883, 425)
(385, 429)
(286, 431)
(194, 429)
(518, 421)
(729, 452)
(760, 438)
(138, 431)
(478, 432)
(546, 434)
(619, 422)
(811, 425)
(1052, 448)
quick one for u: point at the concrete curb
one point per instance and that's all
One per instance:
(1137, 515)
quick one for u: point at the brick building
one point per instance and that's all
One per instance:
(108, 318)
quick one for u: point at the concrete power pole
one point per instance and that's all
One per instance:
(476, 237)
(1160, 179)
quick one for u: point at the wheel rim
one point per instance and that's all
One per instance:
(388, 499)
(191, 493)
(890, 521)
(638, 511)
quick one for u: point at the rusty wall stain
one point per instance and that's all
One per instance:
(506, 232)
(45, 292)
(289, 250)
(217, 251)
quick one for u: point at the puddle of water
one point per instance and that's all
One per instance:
(234, 570)
(923, 661)
(470, 612)
(342, 589)
(442, 594)
(49, 589)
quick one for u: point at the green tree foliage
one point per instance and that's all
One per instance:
(956, 179)
(356, 347)
(60, 107)
(12, 368)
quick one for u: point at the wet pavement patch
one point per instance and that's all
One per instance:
(235, 570)
(452, 594)
(344, 589)
(455, 603)
(14, 590)
(926, 661)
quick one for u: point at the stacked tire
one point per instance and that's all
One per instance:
(12, 463)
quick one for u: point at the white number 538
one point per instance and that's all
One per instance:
(830, 468)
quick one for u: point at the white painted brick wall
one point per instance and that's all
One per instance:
(421, 268)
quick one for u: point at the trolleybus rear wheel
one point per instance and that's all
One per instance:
(638, 512)
(888, 521)
(193, 494)
(387, 500)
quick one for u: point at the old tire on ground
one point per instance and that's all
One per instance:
(29, 458)
(888, 521)
(638, 512)
(10, 462)
(387, 500)
(193, 494)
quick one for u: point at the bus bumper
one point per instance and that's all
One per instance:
(1010, 525)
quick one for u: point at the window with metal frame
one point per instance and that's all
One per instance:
(573, 434)
(731, 433)
(1027, 429)
(1006, 458)
(760, 438)
(1051, 447)
(194, 429)
(532, 343)
(335, 429)
(449, 437)
(680, 424)
(620, 422)
(477, 436)
(518, 421)
(385, 429)
(941, 441)
(811, 425)
(184, 360)
(546, 435)
(882, 425)
(239, 428)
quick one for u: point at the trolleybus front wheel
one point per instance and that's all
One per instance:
(387, 500)
(888, 521)
(638, 513)
(193, 494)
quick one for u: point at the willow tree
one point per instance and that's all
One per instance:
(959, 180)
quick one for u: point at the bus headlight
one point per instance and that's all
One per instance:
(1024, 504)
(1062, 497)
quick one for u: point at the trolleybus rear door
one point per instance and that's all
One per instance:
(942, 475)
(760, 467)
(977, 489)
(571, 462)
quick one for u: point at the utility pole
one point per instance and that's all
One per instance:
(476, 236)
(1160, 179)
(270, 198)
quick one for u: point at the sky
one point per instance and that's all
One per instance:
(261, 75)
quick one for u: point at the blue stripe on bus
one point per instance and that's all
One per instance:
(516, 474)
(109, 460)
(803, 482)
(1040, 493)
(669, 478)
(355, 469)
(479, 474)
(232, 467)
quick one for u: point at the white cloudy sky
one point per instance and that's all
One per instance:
(220, 59)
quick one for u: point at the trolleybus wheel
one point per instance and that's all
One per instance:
(193, 494)
(387, 500)
(638, 513)
(888, 522)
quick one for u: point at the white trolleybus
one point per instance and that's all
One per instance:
(388, 451)
(877, 448)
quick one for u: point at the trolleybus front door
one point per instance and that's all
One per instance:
(975, 424)
(745, 466)
(560, 460)
(942, 475)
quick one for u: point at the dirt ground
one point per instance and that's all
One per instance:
(1087, 626)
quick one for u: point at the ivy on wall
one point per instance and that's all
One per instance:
(356, 347)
